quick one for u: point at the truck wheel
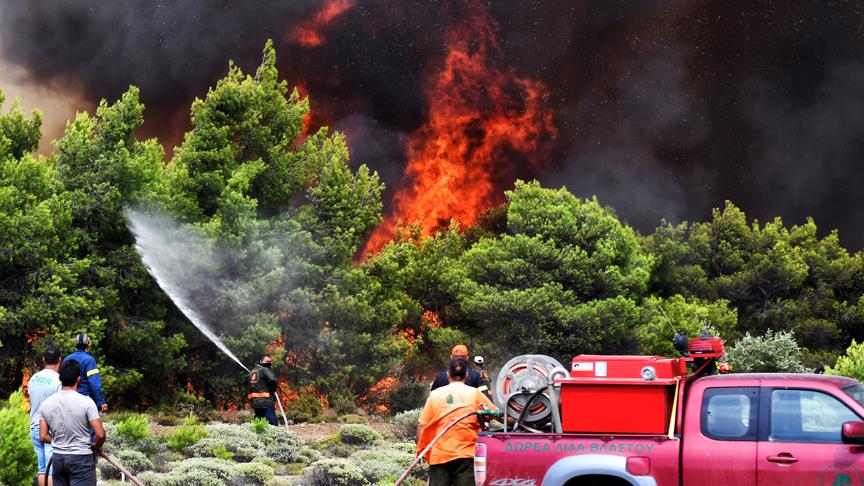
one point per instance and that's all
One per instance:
(597, 480)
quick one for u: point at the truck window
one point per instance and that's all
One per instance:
(807, 416)
(856, 391)
(730, 413)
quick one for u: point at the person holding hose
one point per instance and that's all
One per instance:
(262, 387)
(451, 458)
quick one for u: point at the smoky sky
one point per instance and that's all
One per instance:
(663, 109)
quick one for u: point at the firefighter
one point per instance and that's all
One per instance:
(262, 386)
(451, 458)
(485, 379)
(473, 378)
(91, 380)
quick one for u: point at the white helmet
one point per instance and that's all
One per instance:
(478, 360)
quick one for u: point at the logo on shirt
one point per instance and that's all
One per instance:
(450, 398)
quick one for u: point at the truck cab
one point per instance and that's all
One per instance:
(763, 429)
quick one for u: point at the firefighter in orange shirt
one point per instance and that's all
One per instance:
(451, 458)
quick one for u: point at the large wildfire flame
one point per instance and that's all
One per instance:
(480, 116)
(309, 33)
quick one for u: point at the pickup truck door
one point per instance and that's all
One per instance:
(720, 446)
(800, 440)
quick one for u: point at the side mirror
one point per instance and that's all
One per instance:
(853, 432)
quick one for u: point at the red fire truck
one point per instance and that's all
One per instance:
(646, 420)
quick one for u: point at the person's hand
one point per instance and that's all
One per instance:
(96, 450)
(104, 408)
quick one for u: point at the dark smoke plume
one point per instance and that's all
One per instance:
(663, 109)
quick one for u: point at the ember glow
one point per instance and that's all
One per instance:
(481, 117)
(309, 33)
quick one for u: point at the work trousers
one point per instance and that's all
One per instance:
(268, 412)
(74, 470)
(458, 472)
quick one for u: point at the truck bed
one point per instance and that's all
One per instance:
(526, 459)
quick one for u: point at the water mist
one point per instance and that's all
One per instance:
(172, 254)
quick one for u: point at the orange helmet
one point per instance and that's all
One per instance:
(459, 351)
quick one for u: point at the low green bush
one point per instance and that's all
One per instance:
(285, 452)
(336, 472)
(383, 465)
(773, 352)
(136, 462)
(259, 425)
(254, 473)
(214, 445)
(218, 469)
(409, 447)
(352, 419)
(304, 409)
(361, 435)
(406, 424)
(190, 432)
(162, 461)
(17, 459)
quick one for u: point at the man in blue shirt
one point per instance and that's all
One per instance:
(91, 382)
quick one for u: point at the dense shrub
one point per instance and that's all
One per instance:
(187, 434)
(304, 409)
(851, 364)
(136, 462)
(285, 452)
(194, 471)
(188, 403)
(254, 473)
(409, 447)
(406, 424)
(17, 459)
(361, 435)
(215, 445)
(381, 465)
(162, 461)
(133, 427)
(336, 472)
(408, 396)
(342, 401)
(259, 425)
(775, 352)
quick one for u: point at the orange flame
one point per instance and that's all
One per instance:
(309, 33)
(480, 116)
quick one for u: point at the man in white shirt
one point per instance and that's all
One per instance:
(66, 420)
(41, 386)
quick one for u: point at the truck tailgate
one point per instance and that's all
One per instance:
(525, 458)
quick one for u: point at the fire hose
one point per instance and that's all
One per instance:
(114, 462)
(426, 449)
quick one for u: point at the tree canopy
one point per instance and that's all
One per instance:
(280, 215)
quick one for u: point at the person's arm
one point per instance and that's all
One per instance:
(94, 379)
(271, 379)
(98, 433)
(44, 436)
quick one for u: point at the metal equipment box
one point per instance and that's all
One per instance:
(619, 394)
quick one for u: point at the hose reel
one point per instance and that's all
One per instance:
(522, 377)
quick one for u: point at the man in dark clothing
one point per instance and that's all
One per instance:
(91, 381)
(473, 378)
(485, 380)
(262, 386)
